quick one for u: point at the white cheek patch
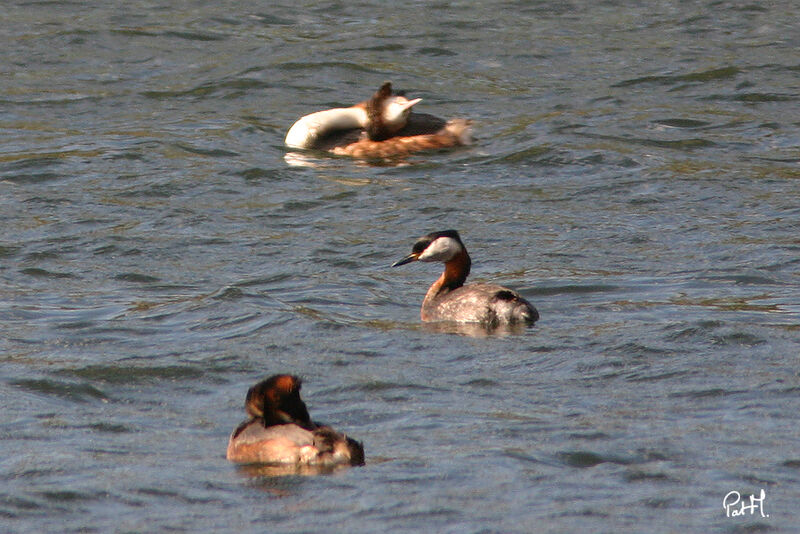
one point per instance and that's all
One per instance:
(398, 109)
(441, 249)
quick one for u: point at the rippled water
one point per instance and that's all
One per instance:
(635, 176)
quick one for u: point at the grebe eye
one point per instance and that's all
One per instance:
(419, 246)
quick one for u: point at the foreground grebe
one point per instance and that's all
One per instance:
(448, 299)
(380, 127)
(280, 431)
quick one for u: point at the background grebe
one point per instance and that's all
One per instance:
(380, 127)
(280, 430)
(448, 299)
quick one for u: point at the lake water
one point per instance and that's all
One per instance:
(635, 175)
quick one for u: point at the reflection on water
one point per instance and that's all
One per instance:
(476, 329)
(315, 159)
(266, 470)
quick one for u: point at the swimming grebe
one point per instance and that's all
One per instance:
(448, 299)
(380, 127)
(280, 430)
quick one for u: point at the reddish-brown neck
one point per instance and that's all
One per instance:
(455, 273)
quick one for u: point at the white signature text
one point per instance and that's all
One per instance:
(735, 506)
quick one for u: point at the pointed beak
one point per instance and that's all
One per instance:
(408, 259)
(410, 103)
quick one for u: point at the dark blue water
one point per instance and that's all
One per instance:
(635, 176)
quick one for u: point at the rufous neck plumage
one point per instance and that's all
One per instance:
(454, 275)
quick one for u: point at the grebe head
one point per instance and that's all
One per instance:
(277, 400)
(436, 246)
(397, 110)
(387, 113)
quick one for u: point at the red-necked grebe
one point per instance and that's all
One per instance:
(380, 127)
(448, 299)
(280, 430)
